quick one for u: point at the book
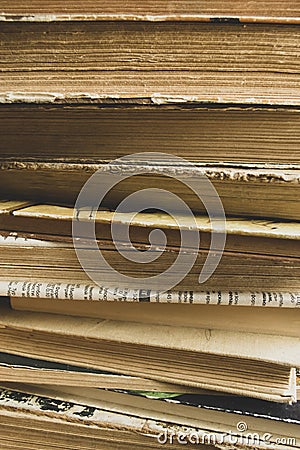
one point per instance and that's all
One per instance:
(206, 61)
(16, 368)
(86, 360)
(214, 136)
(200, 358)
(250, 192)
(53, 261)
(242, 133)
(243, 235)
(113, 305)
(29, 421)
(50, 258)
(204, 420)
(260, 256)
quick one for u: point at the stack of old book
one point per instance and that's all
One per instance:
(99, 101)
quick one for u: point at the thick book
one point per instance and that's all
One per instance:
(243, 235)
(186, 309)
(16, 368)
(270, 192)
(216, 134)
(258, 257)
(158, 62)
(53, 261)
(214, 421)
(32, 421)
(200, 358)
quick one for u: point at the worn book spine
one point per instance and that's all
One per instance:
(91, 292)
